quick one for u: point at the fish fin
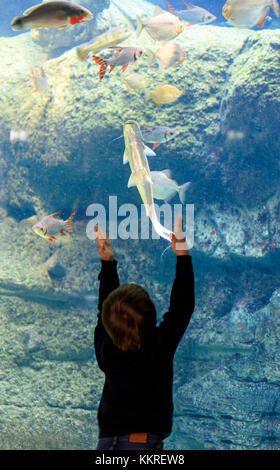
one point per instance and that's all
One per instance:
(76, 19)
(55, 214)
(275, 7)
(140, 26)
(149, 128)
(182, 191)
(188, 5)
(52, 239)
(149, 152)
(158, 11)
(35, 91)
(150, 56)
(262, 22)
(68, 223)
(125, 159)
(171, 9)
(111, 68)
(116, 48)
(132, 181)
(156, 145)
(62, 232)
(103, 65)
(167, 173)
(128, 89)
(168, 199)
(124, 68)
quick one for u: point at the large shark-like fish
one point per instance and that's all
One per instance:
(136, 154)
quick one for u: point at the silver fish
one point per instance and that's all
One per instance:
(250, 13)
(136, 154)
(158, 134)
(40, 81)
(162, 27)
(50, 227)
(165, 188)
(192, 14)
(52, 14)
(123, 56)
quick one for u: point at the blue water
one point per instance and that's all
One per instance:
(57, 152)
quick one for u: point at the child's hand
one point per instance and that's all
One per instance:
(105, 250)
(178, 240)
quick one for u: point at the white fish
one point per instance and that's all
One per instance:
(169, 54)
(249, 13)
(162, 27)
(136, 154)
(165, 188)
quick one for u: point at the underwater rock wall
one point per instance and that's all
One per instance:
(226, 375)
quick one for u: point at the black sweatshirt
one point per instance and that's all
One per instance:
(137, 394)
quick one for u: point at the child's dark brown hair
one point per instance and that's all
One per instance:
(128, 314)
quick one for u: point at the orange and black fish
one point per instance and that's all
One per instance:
(123, 56)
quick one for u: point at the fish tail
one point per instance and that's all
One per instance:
(139, 25)
(275, 7)
(182, 191)
(103, 65)
(81, 53)
(68, 223)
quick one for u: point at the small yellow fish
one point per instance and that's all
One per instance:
(162, 27)
(249, 13)
(164, 94)
(169, 54)
(135, 81)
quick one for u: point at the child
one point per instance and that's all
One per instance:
(136, 407)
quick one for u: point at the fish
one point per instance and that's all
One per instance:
(33, 340)
(168, 55)
(165, 188)
(135, 81)
(164, 94)
(136, 155)
(50, 227)
(52, 14)
(54, 267)
(40, 81)
(250, 13)
(192, 14)
(161, 27)
(158, 134)
(111, 37)
(123, 56)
